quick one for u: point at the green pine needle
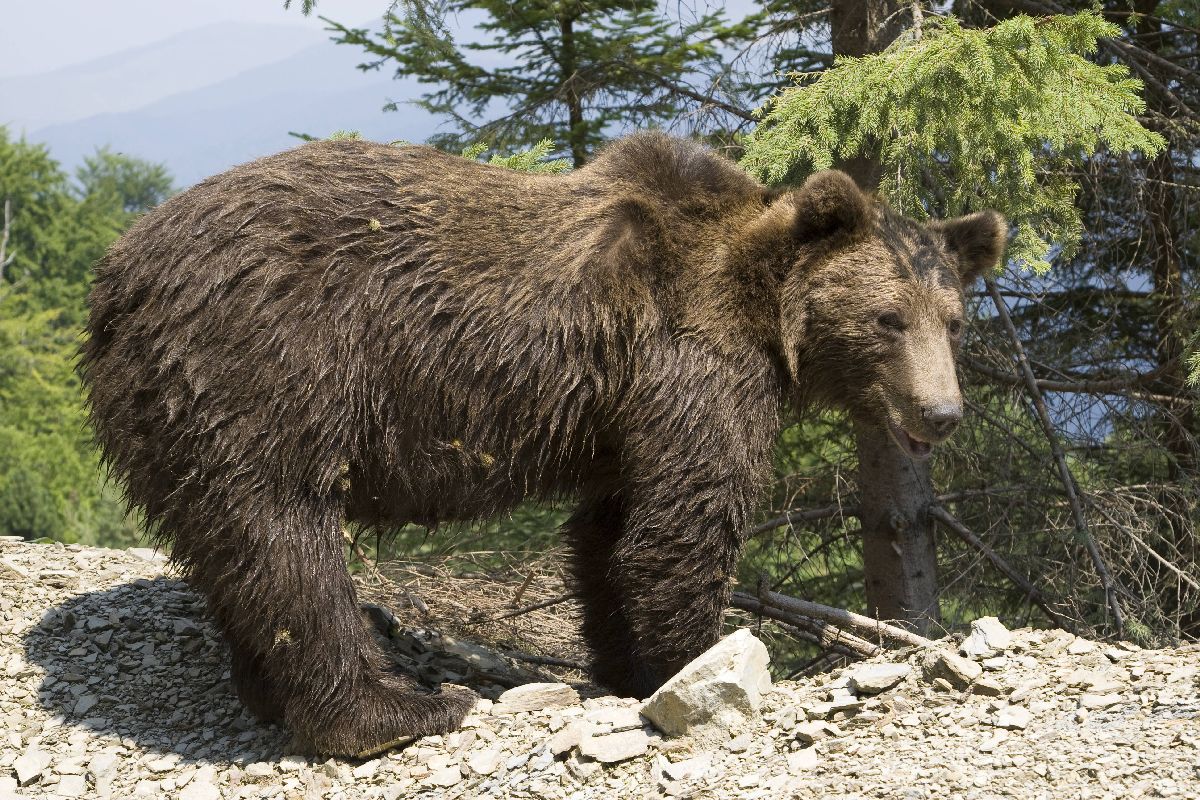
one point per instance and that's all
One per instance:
(991, 118)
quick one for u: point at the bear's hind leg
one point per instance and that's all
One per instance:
(277, 585)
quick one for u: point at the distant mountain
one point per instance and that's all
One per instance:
(206, 129)
(134, 78)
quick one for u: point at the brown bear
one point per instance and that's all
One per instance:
(394, 335)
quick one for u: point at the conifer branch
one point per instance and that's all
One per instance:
(948, 520)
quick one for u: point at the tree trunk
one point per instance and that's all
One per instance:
(1161, 212)
(577, 130)
(899, 552)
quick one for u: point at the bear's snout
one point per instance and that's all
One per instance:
(940, 419)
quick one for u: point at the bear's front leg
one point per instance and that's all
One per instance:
(673, 567)
(592, 533)
(277, 585)
(694, 456)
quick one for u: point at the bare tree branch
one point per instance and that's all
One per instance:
(837, 617)
(1087, 386)
(819, 632)
(948, 520)
(5, 258)
(1060, 459)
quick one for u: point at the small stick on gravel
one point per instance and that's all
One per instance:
(545, 661)
(552, 601)
(521, 589)
(949, 521)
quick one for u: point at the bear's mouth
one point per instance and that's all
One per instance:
(913, 447)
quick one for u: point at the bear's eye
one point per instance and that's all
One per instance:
(891, 321)
(955, 327)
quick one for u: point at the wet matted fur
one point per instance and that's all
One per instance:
(393, 335)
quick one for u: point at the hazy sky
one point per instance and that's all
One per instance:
(41, 35)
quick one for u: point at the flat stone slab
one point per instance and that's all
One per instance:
(612, 747)
(876, 678)
(535, 697)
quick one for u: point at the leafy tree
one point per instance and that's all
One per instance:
(136, 185)
(50, 480)
(59, 229)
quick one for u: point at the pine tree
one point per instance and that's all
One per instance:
(572, 72)
(961, 119)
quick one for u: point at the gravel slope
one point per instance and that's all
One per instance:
(114, 686)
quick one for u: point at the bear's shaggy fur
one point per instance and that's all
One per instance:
(390, 334)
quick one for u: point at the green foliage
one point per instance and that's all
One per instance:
(535, 159)
(1184, 13)
(60, 229)
(114, 179)
(306, 6)
(1194, 363)
(570, 72)
(333, 137)
(965, 119)
(51, 485)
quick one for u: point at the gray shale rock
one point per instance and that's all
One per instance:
(30, 765)
(609, 748)
(567, 737)
(957, 671)
(1066, 718)
(719, 692)
(1013, 718)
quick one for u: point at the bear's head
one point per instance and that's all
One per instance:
(871, 305)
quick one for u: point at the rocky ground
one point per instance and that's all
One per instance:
(113, 685)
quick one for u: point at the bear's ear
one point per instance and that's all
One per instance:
(630, 235)
(978, 240)
(830, 204)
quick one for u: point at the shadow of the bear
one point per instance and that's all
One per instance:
(141, 663)
(138, 662)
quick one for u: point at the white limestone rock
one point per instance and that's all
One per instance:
(535, 697)
(719, 692)
(988, 638)
(876, 678)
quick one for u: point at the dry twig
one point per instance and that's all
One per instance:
(838, 617)
(819, 632)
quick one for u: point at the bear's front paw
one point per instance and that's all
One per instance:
(627, 678)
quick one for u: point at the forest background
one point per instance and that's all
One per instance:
(1070, 496)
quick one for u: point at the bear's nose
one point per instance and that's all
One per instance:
(941, 418)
